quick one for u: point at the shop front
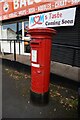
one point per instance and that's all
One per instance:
(62, 15)
(15, 31)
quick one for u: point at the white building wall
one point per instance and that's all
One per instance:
(4, 44)
(4, 33)
(11, 35)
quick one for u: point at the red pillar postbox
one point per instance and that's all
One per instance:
(41, 41)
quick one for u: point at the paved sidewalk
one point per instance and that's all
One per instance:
(64, 70)
(25, 59)
(16, 98)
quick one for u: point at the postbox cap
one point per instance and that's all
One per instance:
(39, 30)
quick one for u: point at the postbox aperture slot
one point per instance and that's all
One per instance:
(34, 43)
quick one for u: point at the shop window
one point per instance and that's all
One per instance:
(26, 38)
(9, 31)
(26, 24)
(12, 31)
(19, 30)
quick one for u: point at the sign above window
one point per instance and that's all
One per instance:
(58, 18)
(16, 8)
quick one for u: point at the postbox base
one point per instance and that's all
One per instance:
(39, 99)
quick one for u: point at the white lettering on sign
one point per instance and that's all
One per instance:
(21, 3)
(16, 4)
(34, 55)
(31, 10)
(14, 14)
(5, 16)
(22, 12)
(44, 7)
(60, 3)
(0, 17)
(75, 1)
(37, 1)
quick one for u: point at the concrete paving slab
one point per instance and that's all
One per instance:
(17, 106)
(64, 70)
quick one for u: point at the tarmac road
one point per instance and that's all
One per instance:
(16, 106)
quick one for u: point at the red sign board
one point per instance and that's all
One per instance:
(16, 8)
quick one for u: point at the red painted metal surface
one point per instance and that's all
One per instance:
(40, 59)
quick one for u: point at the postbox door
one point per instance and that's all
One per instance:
(40, 63)
(36, 67)
(35, 46)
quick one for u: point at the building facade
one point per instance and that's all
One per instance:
(61, 15)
